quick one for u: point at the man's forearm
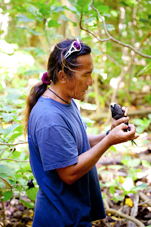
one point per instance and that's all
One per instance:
(95, 139)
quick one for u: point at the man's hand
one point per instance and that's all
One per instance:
(118, 135)
(119, 115)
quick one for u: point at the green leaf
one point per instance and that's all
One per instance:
(112, 190)
(16, 154)
(73, 2)
(14, 136)
(115, 167)
(9, 130)
(6, 170)
(110, 27)
(113, 148)
(140, 129)
(87, 121)
(34, 32)
(31, 193)
(96, 51)
(58, 9)
(24, 18)
(87, 106)
(2, 184)
(118, 198)
(14, 94)
(141, 187)
(145, 70)
(7, 117)
(137, 121)
(134, 162)
(1, 130)
(149, 116)
(29, 205)
(103, 9)
(83, 3)
(53, 23)
(101, 168)
(7, 108)
(146, 164)
(31, 72)
(98, 71)
(128, 184)
(64, 18)
(7, 195)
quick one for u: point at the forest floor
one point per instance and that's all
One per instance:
(125, 209)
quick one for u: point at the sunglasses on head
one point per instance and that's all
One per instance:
(74, 47)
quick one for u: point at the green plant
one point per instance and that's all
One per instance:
(142, 124)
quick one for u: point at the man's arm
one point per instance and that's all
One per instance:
(95, 139)
(88, 159)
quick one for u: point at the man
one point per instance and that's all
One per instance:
(62, 155)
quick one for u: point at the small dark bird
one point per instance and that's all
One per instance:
(30, 184)
(118, 113)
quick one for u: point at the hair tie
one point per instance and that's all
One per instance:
(45, 79)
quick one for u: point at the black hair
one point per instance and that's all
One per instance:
(57, 62)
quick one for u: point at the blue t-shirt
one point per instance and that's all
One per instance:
(56, 136)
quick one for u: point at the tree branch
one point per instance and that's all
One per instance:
(15, 160)
(12, 144)
(117, 41)
(111, 37)
(137, 222)
(80, 24)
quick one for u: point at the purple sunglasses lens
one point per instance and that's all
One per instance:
(76, 45)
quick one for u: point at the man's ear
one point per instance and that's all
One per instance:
(62, 77)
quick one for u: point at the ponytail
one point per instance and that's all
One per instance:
(34, 94)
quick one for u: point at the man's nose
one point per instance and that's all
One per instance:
(90, 81)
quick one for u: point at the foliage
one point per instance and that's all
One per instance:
(29, 30)
(125, 185)
(143, 124)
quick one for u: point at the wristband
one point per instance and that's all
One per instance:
(107, 132)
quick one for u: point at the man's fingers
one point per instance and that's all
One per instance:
(125, 110)
(122, 120)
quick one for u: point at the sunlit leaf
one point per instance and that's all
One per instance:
(141, 187)
(31, 72)
(98, 71)
(31, 193)
(110, 27)
(96, 51)
(115, 167)
(9, 130)
(7, 195)
(128, 184)
(29, 205)
(25, 19)
(53, 23)
(112, 190)
(103, 9)
(88, 106)
(87, 121)
(7, 116)
(83, 3)
(34, 32)
(146, 164)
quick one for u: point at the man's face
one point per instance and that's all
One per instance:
(82, 77)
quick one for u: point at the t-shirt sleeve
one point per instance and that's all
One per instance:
(57, 147)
